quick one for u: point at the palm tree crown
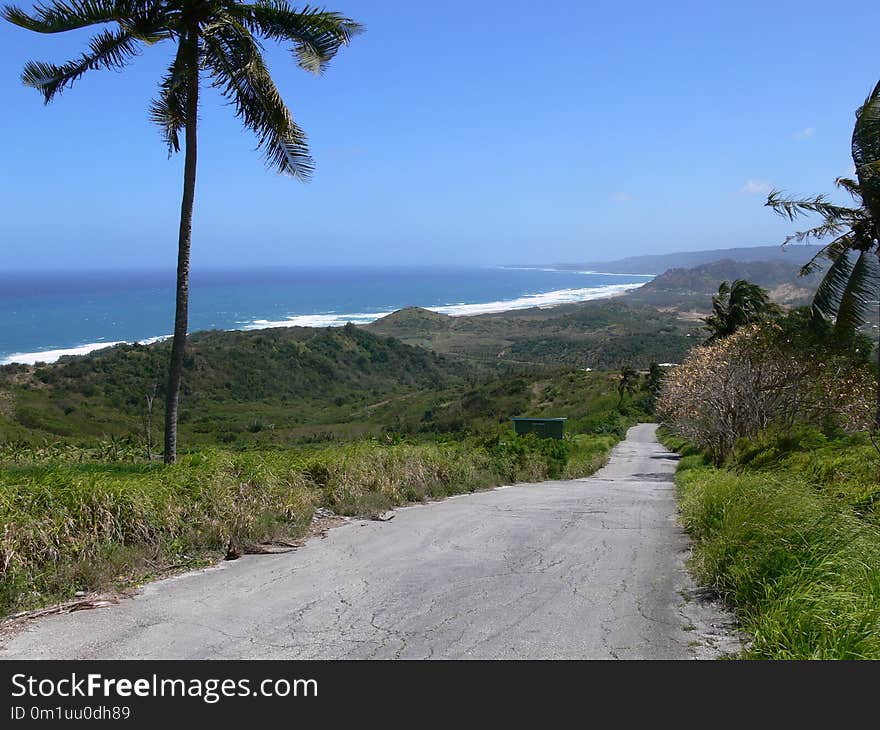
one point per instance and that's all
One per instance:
(217, 36)
(846, 288)
(736, 305)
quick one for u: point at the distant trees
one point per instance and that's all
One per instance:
(737, 305)
(220, 40)
(852, 281)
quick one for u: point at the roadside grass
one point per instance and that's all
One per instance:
(787, 534)
(72, 523)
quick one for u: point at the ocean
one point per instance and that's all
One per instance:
(44, 316)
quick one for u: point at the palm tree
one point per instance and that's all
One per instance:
(628, 383)
(736, 305)
(844, 292)
(852, 280)
(220, 39)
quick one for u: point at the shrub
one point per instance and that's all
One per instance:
(758, 377)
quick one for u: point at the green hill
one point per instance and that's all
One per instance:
(234, 381)
(693, 288)
(602, 335)
(412, 320)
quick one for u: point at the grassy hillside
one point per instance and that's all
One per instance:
(236, 383)
(602, 335)
(788, 532)
(288, 386)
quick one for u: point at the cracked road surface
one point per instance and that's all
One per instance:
(586, 568)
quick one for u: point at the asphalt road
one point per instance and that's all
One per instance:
(588, 568)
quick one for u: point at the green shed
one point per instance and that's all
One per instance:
(545, 428)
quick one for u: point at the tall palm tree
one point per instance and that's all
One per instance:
(736, 305)
(217, 38)
(852, 280)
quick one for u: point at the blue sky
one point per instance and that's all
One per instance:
(492, 131)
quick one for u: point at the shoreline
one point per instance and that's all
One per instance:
(546, 300)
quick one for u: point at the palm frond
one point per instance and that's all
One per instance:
(169, 110)
(818, 233)
(792, 208)
(58, 17)
(831, 289)
(831, 251)
(108, 49)
(852, 311)
(317, 35)
(851, 186)
(866, 150)
(239, 72)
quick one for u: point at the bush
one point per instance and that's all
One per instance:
(758, 377)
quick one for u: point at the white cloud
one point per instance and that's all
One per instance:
(805, 133)
(756, 187)
(621, 197)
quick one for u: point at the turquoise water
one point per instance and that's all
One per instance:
(44, 315)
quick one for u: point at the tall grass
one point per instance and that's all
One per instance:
(800, 564)
(70, 525)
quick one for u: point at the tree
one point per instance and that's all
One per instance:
(653, 384)
(628, 383)
(846, 286)
(852, 279)
(773, 373)
(219, 38)
(737, 305)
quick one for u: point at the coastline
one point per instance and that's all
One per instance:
(545, 300)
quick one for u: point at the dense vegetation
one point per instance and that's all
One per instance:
(782, 496)
(238, 385)
(780, 372)
(291, 386)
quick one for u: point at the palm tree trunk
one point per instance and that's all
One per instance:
(178, 345)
